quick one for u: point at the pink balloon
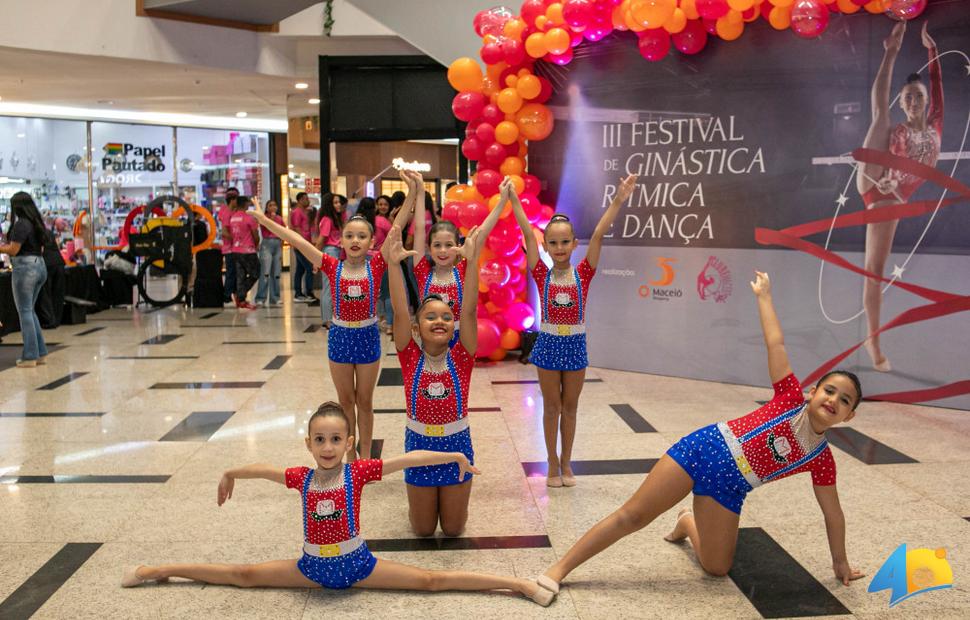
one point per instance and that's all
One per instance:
(575, 38)
(532, 184)
(492, 53)
(577, 13)
(501, 296)
(485, 133)
(472, 149)
(809, 18)
(517, 262)
(560, 59)
(500, 243)
(712, 9)
(487, 182)
(467, 106)
(450, 212)
(531, 206)
(520, 316)
(544, 216)
(499, 321)
(654, 44)
(492, 115)
(472, 214)
(495, 272)
(692, 38)
(516, 281)
(904, 10)
(489, 336)
(598, 32)
(495, 153)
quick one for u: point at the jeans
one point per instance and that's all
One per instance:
(247, 272)
(230, 286)
(384, 301)
(29, 275)
(326, 302)
(302, 276)
(270, 266)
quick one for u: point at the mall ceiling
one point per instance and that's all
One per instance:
(255, 12)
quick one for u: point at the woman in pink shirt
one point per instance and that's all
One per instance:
(332, 215)
(270, 259)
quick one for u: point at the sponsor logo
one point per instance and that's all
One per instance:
(910, 572)
(126, 157)
(660, 288)
(714, 281)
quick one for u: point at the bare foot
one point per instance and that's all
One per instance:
(679, 532)
(879, 361)
(553, 479)
(536, 592)
(568, 477)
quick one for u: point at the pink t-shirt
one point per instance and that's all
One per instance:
(267, 233)
(383, 226)
(427, 226)
(223, 215)
(243, 225)
(300, 222)
(329, 232)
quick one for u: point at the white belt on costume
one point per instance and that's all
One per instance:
(437, 430)
(562, 330)
(742, 461)
(354, 324)
(334, 550)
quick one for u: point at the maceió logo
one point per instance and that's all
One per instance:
(908, 573)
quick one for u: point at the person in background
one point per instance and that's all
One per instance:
(270, 260)
(25, 246)
(303, 273)
(244, 239)
(223, 214)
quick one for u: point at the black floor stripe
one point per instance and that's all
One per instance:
(483, 409)
(162, 339)
(54, 414)
(198, 426)
(865, 448)
(390, 411)
(458, 544)
(266, 342)
(595, 468)
(535, 381)
(208, 385)
(775, 583)
(966, 518)
(153, 357)
(99, 319)
(210, 315)
(312, 329)
(105, 479)
(633, 419)
(53, 385)
(277, 362)
(39, 587)
(390, 376)
(214, 326)
(89, 331)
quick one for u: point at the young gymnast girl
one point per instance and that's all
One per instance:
(354, 340)
(560, 349)
(437, 375)
(334, 553)
(723, 462)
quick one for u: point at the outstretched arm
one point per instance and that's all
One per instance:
(469, 303)
(406, 210)
(394, 252)
(259, 470)
(778, 365)
(294, 238)
(828, 501)
(420, 215)
(884, 76)
(419, 458)
(934, 117)
(531, 245)
(486, 228)
(596, 240)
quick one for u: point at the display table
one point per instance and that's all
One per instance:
(81, 282)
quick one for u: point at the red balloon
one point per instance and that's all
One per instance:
(450, 212)
(492, 53)
(765, 10)
(532, 184)
(546, 91)
(495, 154)
(693, 37)
(468, 106)
(489, 336)
(514, 51)
(575, 38)
(712, 9)
(495, 272)
(531, 9)
(512, 150)
(544, 216)
(710, 25)
(905, 10)
(485, 133)
(577, 13)
(472, 214)
(492, 115)
(487, 182)
(472, 149)
(598, 32)
(531, 206)
(501, 296)
(809, 18)
(654, 44)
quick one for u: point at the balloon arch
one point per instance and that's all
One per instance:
(505, 108)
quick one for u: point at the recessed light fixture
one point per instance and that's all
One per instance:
(21, 135)
(313, 101)
(290, 166)
(301, 86)
(241, 115)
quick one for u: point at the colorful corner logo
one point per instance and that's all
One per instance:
(714, 281)
(113, 148)
(908, 573)
(660, 287)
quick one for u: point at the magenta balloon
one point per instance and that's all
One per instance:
(712, 9)
(492, 115)
(532, 184)
(520, 316)
(654, 44)
(495, 153)
(501, 296)
(472, 149)
(487, 182)
(467, 106)
(531, 206)
(691, 39)
(577, 13)
(495, 272)
(809, 18)
(489, 337)
(561, 59)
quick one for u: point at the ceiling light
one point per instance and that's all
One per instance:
(313, 101)
(21, 135)
(301, 85)
(149, 118)
(241, 115)
(290, 166)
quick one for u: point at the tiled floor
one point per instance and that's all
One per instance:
(110, 455)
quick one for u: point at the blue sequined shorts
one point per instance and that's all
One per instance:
(552, 352)
(338, 572)
(354, 345)
(438, 475)
(707, 460)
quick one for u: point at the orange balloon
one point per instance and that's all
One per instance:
(740, 5)
(454, 192)
(506, 132)
(490, 38)
(556, 40)
(542, 22)
(677, 21)
(756, 13)
(528, 86)
(523, 150)
(554, 13)
(497, 355)
(493, 202)
(482, 287)
(510, 339)
(487, 255)
(876, 7)
(512, 166)
(782, 3)
(518, 183)
(491, 307)
(514, 28)
(506, 211)
(652, 13)
(465, 75)
(490, 86)
(535, 121)
(632, 23)
(690, 9)
(509, 101)
(535, 45)
(847, 6)
(734, 17)
(511, 81)
(780, 17)
(728, 29)
(495, 71)
(617, 16)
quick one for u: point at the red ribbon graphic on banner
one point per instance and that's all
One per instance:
(943, 303)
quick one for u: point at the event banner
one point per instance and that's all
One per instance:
(838, 165)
